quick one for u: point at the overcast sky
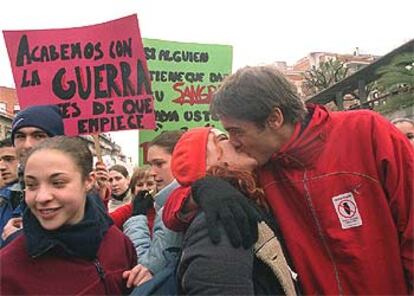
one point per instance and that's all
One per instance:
(259, 31)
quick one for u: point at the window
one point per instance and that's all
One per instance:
(16, 108)
(3, 107)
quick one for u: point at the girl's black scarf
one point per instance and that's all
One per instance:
(81, 240)
(121, 196)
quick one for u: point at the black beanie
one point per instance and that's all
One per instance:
(45, 117)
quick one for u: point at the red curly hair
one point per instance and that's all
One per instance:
(244, 181)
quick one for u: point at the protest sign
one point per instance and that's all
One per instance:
(184, 77)
(97, 75)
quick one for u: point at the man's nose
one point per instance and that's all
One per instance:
(3, 166)
(29, 142)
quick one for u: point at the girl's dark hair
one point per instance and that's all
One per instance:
(7, 142)
(120, 169)
(242, 180)
(76, 148)
(167, 140)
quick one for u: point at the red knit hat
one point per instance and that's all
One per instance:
(190, 156)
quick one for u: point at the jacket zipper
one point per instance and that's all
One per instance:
(322, 236)
(101, 273)
(43, 251)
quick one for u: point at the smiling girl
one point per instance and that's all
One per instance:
(68, 241)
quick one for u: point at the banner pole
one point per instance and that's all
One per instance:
(98, 150)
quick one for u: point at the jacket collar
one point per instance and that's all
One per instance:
(304, 147)
(6, 190)
(162, 196)
(79, 240)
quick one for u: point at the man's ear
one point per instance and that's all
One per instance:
(276, 119)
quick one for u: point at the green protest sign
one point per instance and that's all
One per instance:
(184, 77)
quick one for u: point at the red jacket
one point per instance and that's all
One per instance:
(123, 213)
(172, 213)
(342, 193)
(57, 275)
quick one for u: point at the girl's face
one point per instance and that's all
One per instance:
(55, 189)
(147, 183)
(220, 151)
(119, 183)
(160, 161)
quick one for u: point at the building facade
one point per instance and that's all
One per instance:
(295, 73)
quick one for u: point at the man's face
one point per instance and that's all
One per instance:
(247, 137)
(27, 137)
(8, 165)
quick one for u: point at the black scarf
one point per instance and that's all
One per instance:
(121, 196)
(79, 240)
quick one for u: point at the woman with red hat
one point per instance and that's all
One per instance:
(204, 162)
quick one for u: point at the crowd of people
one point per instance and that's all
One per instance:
(291, 199)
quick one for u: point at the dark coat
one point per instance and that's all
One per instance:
(208, 269)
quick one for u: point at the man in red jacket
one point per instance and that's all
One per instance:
(340, 184)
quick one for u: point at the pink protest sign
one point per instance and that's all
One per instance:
(97, 75)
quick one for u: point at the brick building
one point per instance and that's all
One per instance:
(295, 72)
(8, 107)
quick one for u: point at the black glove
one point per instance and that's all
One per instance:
(142, 202)
(219, 200)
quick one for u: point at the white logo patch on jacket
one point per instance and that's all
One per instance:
(347, 210)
